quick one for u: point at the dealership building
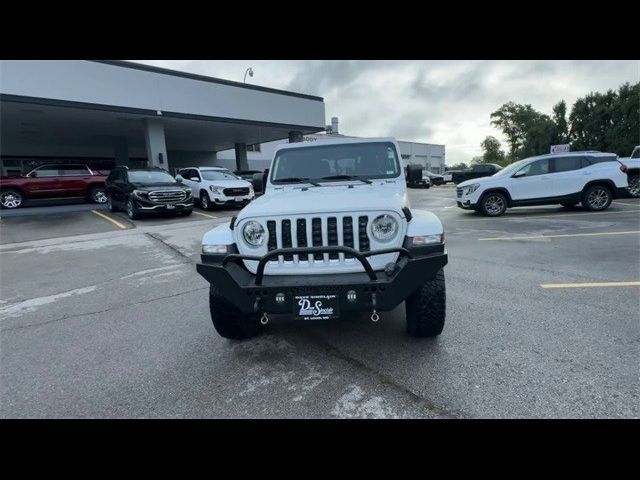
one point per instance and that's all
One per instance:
(116, 112)
(430, 156)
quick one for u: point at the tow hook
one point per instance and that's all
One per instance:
(257, 306)
(374, 315)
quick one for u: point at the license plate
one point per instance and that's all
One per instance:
(239, 199)
(170, 207)
(316, 307)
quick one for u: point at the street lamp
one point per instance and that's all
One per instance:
(250, 72)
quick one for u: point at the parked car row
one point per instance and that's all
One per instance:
(137, 191)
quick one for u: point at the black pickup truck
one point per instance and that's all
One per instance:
(476, 171)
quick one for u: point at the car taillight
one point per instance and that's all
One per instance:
(623, 167)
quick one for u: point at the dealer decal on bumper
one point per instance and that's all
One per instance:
(316, 307)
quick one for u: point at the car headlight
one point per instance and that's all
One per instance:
(141, 194)
(253, 233)
(384, 228)
(188, 192)
(216, 190)
(470, 189)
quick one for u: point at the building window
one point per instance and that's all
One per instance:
(253, 148)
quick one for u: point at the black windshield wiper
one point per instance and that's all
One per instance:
(297, 180)
(345, 177)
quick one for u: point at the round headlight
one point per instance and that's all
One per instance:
(253, 233)
(384, 228)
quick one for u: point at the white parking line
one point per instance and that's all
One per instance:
(595, 234)
(590, 285)
(204, 214)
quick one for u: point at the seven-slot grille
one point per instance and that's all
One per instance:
(459, 192)
(236, 192)
(317, 232)
(167, 196)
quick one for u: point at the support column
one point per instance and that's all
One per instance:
(295, 136)
(156, 146)
(121, 151)
(241, 156)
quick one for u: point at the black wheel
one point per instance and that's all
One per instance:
(11, 198)
(596, 198)
(205, 202)
(98, 195)
(110, 204)
(230, 322)
(634, 185)
(569, 205)
(131, 210)
(426, 308)
(493, 204)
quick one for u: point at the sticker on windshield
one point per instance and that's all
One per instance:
(390, 172)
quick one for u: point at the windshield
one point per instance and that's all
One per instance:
(509, 169)
(336, 162)
(218, 175)
(150, 177)
(635, 153)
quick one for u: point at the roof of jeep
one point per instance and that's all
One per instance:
(335, 141)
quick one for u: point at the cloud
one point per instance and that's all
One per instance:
(442, 101)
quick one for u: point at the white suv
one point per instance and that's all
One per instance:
(216, 186)
(591, 178)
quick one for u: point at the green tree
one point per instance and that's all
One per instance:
(528, 131)
(560, 120)
(492, 151)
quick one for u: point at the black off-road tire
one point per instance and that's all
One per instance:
(597, 198)
(426, 308)
(230, 322)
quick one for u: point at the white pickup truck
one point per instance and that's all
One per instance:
(632, 165)
(333, 233)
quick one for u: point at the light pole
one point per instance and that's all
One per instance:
(250, 72)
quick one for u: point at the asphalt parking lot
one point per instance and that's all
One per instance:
(107, 320)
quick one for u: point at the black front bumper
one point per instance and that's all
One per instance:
(379, 290)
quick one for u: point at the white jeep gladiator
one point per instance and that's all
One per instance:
(333, 234)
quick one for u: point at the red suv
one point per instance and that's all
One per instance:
(54, 181)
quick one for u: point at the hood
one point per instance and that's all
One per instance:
(478, 180)
(228, 183)
(326, 199)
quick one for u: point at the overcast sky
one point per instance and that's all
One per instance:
(443, 102)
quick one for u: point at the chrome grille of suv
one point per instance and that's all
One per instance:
(167, 196)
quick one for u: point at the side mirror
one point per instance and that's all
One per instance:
(194, 179)
(257, 181)
(519, 174)
(179, 178)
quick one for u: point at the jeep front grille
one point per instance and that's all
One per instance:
(167, 196)
(317, 232)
